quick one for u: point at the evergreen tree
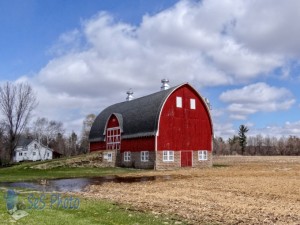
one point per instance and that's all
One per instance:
(242, 137)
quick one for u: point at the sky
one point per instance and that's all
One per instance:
(82, 56)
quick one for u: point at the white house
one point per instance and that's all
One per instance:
(31, 150)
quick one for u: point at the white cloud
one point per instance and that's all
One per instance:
(287, 129)
(258, 97)
(208, 43)
(268, 27)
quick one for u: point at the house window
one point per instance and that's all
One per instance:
(178, 102)
(145, 156)
(25, 154)
(202, 155)
(168, 156)
(113, 138)
(35, 146)
(20, 153)
(127, 156)
(192, 103)
(108, 156)
(48, 154)
(33, 153)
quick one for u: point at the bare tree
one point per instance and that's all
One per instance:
(46, 131)
(17, 101)
(87, 124)
(234, 146)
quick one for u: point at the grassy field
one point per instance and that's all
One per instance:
(89, 212)
(59, 168)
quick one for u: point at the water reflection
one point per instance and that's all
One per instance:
(76, 184)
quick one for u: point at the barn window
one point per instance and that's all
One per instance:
(113, 138)
(145, 156)
(178, 102)
(108, 156)
(192, 103)
(168, 156)
(202, 155)
(127, 156)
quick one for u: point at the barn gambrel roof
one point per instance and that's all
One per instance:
(139, 117)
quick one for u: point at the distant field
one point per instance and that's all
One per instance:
(237, 190)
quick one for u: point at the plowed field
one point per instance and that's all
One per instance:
(237, 190)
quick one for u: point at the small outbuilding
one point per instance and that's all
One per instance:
(168, 129)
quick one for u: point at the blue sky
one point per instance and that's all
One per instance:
(81, 56)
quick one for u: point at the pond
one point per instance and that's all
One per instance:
(76, 184)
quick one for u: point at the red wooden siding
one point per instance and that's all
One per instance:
(101, 145)
(184, 128)
(138, 144)
(96, 146)
(113, 122)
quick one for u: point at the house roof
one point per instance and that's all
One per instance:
(139, 117)
(23, 141)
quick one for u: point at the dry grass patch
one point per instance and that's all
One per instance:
(250, 190)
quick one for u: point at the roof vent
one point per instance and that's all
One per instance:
(129, 95)
(165, 84)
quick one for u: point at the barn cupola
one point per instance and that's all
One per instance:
(129, 95)
(165, 84)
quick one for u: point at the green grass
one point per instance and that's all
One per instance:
(23, 172)
(90, 212)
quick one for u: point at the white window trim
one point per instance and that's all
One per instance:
(144, 156)
(168, 156)
(127, 156)
(113, 140)
(108, 156)
(179, 102)
(193, 103)
(202, 155)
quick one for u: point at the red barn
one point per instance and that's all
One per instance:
(168, 129)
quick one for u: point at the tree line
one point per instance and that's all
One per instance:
(17, 102)
(256, 145)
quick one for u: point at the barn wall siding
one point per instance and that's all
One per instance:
(138, 144)
(107, 163)
(96, 146)
(161, 165)
(136, 161)
(184, 128)
(113, 122)
(202, 163)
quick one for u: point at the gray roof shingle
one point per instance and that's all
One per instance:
(139, 116)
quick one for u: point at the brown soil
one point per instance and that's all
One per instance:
(239, 190)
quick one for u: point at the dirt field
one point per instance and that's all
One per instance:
(239, 190)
